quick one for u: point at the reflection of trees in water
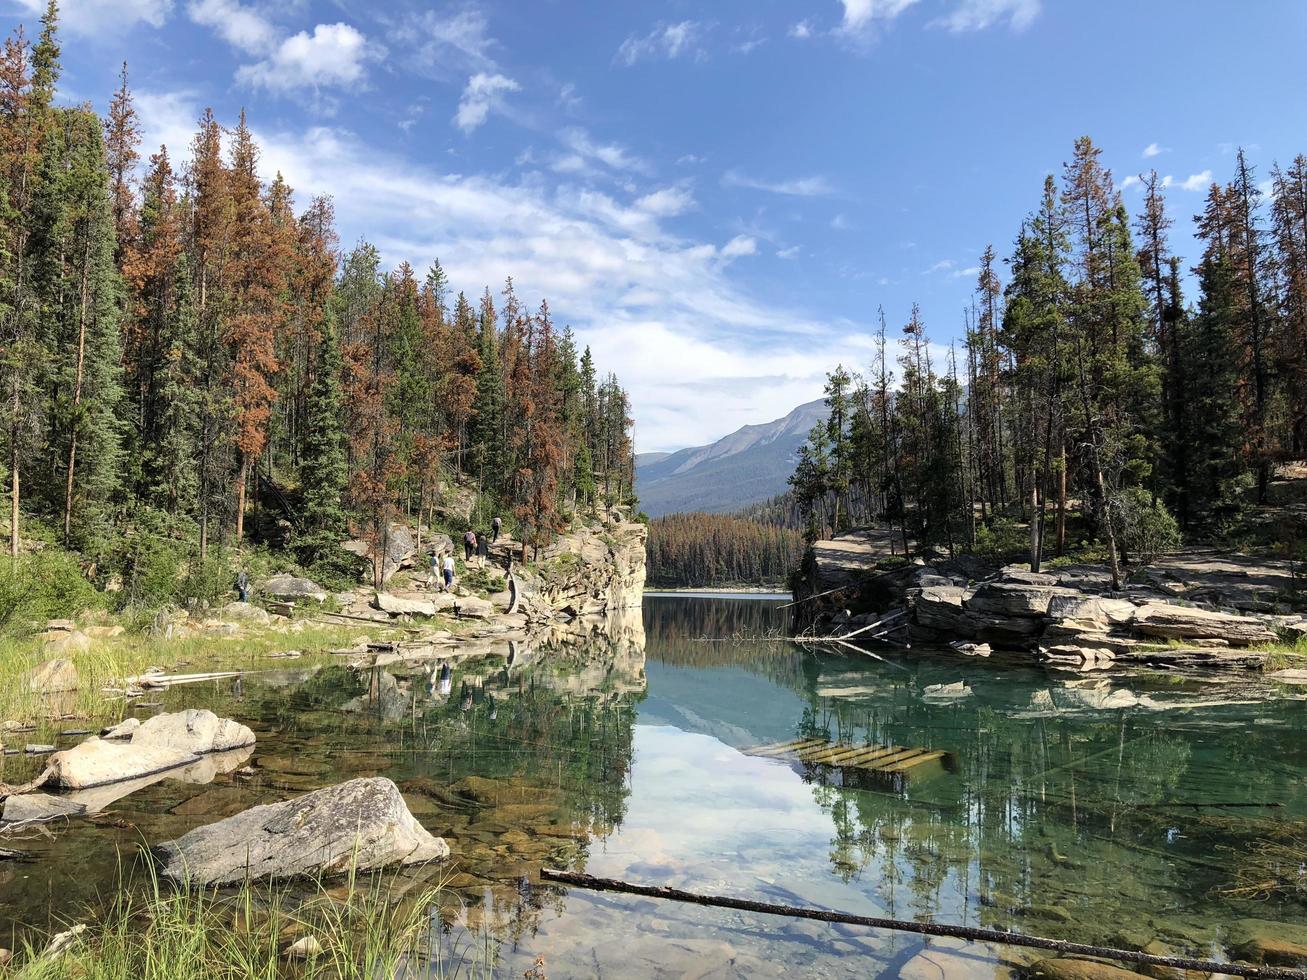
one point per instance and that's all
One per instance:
(717, 633)
(1059, 823)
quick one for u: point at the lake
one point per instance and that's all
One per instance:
(1118, 809)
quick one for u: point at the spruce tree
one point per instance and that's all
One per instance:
(324, 469)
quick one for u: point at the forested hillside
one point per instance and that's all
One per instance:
(184, 346)
(1087, 382)
(706, 550)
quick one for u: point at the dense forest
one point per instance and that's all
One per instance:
(183, 349)
(706, 550)
(1087, 387)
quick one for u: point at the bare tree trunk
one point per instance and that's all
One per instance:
(241, 480)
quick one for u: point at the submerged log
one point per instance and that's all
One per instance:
(994, 936)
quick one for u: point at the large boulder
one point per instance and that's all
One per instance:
(361, 825)
(64, 643)
(400, 550)
(403, 605)
(292, 588)
(440, 544)
(244, 612)
(1174, 622)
(941, 608)
(164, 742)
(1072, 968)
(472, 607)
(1013, 598)
(53, 677)
(1098, 610)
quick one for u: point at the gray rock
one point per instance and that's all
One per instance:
(1098, 610)
(403, 605)
(942, 608)
(440, 544)
(40, 807)
(1013, 599)
(245, 612)
(472, 607)
(363, 824)
(1185, 622)
(54, 676)
(292, 588)
(164, 742)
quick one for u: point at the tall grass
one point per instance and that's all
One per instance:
(367, 929)
(111, 660)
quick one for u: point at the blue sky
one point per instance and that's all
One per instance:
(717, 196)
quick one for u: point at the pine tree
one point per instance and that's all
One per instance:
(489, 460)
(325, 470)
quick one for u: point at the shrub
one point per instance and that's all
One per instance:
(1146, 526)
(38, 587)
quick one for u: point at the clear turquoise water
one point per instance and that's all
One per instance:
(1112, 810)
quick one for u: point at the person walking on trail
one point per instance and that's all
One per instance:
(469, 545)
(449, 572)
(243, 586)
(435, 566)
(483, 549)
(495, 527)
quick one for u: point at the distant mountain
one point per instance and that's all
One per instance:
(749, 465)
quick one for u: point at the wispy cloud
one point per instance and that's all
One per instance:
(664, 41)
(798, 187)
(861, 14)
(1194, 182)
(1153, 150)
(1130, 182)
(788, 253)
(101, 16)
(449, 43)
(666, 202)
(943, 265)
(482, 93)
(979, 15)
(802, 30)
(584, 150)
(740, 245)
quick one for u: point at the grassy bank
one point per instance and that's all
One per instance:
(110, 660)
(354, 929)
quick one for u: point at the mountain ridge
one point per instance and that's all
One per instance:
(749, 465)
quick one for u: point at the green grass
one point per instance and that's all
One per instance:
(367, 928)
(110, 660)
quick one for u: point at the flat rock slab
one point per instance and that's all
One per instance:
(1186, 622)
(164, 742)
(362, 824)
(39, 807)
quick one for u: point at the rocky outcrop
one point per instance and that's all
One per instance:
(361, 825)
(1069, 615)
(587, 573)
(400, 550)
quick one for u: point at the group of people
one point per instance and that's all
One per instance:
(474, 545)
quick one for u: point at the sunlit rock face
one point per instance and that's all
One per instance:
(587, 573)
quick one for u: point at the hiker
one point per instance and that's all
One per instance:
(483, 549)
(469, 545)
(495, 526)
(449, 572)
(243, 586)
(435, 567)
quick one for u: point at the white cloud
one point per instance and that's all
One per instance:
(800, 187)
(978, 15)
(449, 44)
(241, 27)
(101, 16)
(1153, 150)
(969, 272)
(788, 253)
(859, 14)
(943, 265)
(840, 223)
(332, 55)
(740, 245)
(1197, 182)
(664, 41)
(584, 149)
(1130, 182)
(802, 30)
(482, 93)
(666, 202)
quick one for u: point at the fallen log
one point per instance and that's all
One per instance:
(970, 933)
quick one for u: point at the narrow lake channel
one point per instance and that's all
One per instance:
(1117, 809)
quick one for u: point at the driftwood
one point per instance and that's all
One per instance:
(995, 936)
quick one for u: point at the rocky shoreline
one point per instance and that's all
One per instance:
(1194, 609)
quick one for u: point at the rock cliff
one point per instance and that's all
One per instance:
(588, 572)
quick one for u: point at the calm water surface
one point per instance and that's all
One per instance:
(1112, 810)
